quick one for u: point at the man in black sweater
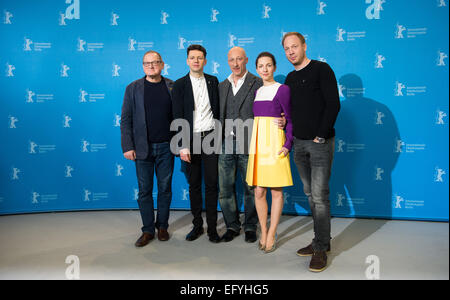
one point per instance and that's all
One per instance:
(145, 137)
(315, 106)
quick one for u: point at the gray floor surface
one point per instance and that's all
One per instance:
(36, 246)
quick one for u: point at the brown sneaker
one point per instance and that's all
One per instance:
(318, 261)
(308, 251)
(144, 239)
(163, 235)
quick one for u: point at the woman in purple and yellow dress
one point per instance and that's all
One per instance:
(268, 163)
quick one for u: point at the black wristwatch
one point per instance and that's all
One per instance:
(321, 140)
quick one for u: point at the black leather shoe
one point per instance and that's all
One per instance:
(250, 236)
(229, 235)
(194, 234)
(214, 237)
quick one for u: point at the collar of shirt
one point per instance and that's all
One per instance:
(301, 68)
(197, 79)
(239, 83)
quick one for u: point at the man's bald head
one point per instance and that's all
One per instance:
(237, 60)
(238, 51)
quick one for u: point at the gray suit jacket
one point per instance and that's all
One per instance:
(248, 90)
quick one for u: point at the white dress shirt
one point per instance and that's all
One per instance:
(203, 116)
(236, 87)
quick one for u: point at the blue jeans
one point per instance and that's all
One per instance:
(228, 165)
(161, 161)
(314, 166)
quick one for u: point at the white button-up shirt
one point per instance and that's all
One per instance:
(203, 116)
(236, 87)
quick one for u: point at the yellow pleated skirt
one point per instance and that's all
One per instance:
(265, 167)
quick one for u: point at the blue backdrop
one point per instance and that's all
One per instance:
(66, 64)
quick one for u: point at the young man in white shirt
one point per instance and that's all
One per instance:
(196, 100)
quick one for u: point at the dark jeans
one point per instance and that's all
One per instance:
(194, 174)
(228, 165)
(161, 160)
(314, 166)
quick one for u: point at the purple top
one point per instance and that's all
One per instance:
(273, 108)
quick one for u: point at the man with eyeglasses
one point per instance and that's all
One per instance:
(145, 136)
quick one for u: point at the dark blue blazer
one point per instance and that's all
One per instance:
(133, 125)
(183, 104)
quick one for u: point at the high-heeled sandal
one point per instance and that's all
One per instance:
(261, 246)
(274, 246)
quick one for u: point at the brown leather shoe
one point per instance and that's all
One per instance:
(144, 239)
(308, 250)
(318, 261)
(163, 235)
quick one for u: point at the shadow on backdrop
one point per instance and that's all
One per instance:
(365, 156)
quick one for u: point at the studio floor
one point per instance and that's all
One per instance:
(36, 246)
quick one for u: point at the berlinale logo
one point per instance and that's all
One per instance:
(398, 90)
(379, 61)
(378, 173)
(438, 174)
(214, 13)
(27, 44)
(340, 34)
(29, 96)
(266, 9)
(32, 147)
(15, 173)
(340, 199)
(12, 122)
(441, 3)
(116, 120)
(7, 17)
(86, 195)
(119, 169)
(68, 171)
(398, 201)
(440, 60)
(215, 68)
(84, 146)
(165, 72)
(379, 117)
(81, 44)
(231, 40)
(164, 17)
(340, 145)
(115, 70)
(320, 6)
(399, 145)
(64, 69)
(399, 31)
(34, 197)
(9, 70)
(114, 18)
(181, 42)
(66, 121)
(440, 115)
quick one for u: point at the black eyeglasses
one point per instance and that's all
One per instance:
(151, 63)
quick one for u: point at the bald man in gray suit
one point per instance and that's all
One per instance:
(237, 94)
